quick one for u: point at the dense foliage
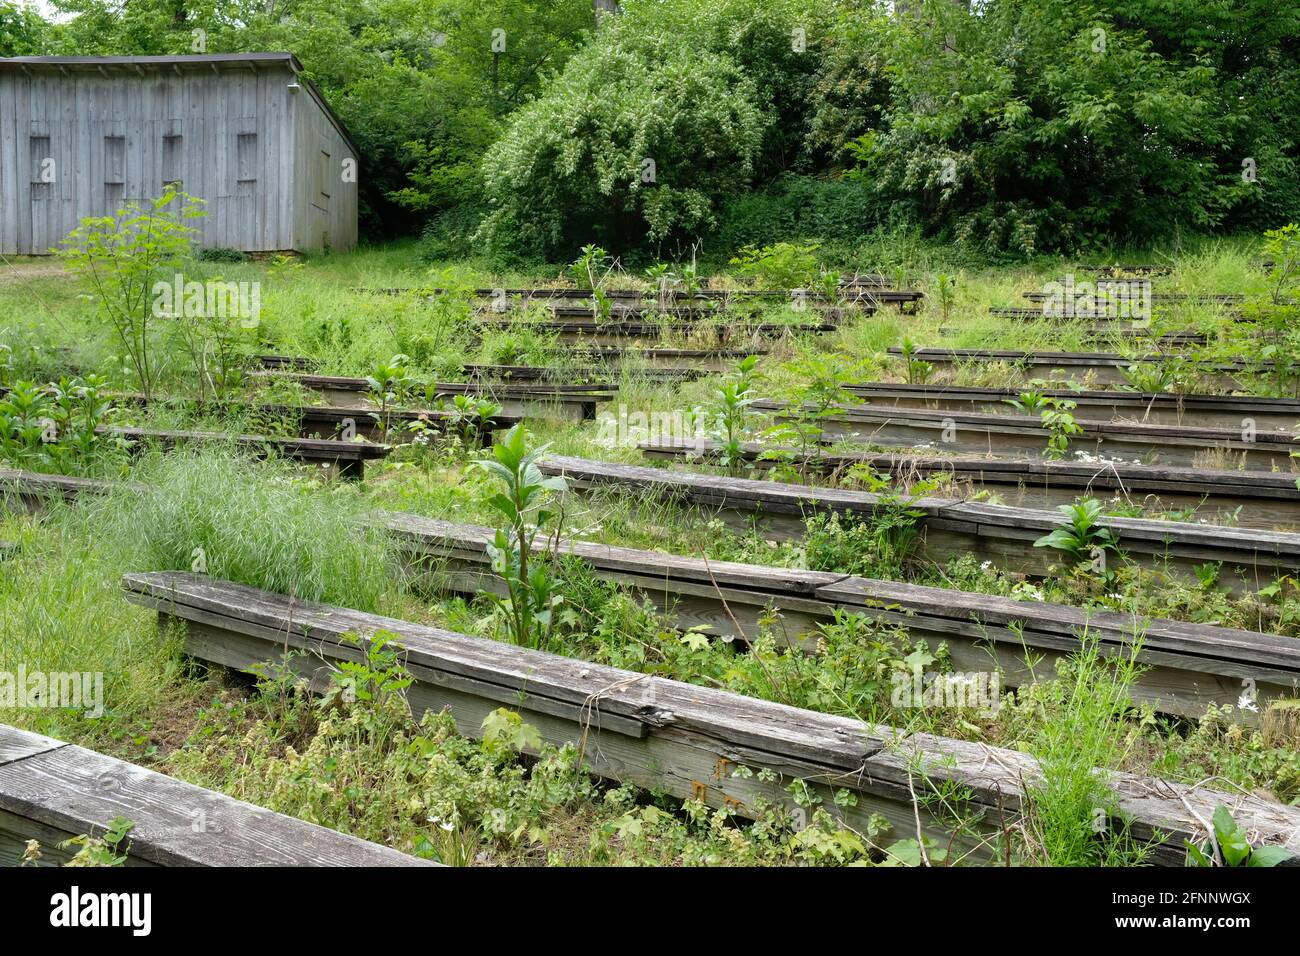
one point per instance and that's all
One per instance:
(1013, 126)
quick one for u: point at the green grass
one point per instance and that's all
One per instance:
(267, 525)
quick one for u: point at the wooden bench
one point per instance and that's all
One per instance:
(869, 289)
(51, 791)
(28, 492)
(1017, 435)
(1139, 269)
(1104, 368)
(1254, 499)
(678, 738)
(541, 373)
(700, 361)
(615, 333)
(1002, 534)
(1191, 666)
(1102, 323)
(1155, 408)
(295, 363)
(571, 402)
(344, 458)
(331, 421)
(626, 311)
(1103, 287)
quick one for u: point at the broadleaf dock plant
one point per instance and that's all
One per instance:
(522, 503)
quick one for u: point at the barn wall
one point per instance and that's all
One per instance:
(113, 138)
(325, 189)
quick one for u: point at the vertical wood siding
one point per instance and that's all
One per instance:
(237, 138)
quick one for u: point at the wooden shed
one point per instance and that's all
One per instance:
(246, 132)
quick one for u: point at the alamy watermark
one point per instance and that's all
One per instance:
(1113, 299)
(631, 426)
(63, 690)
(973, 690)
(212, 299)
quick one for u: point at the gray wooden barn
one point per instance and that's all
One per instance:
(246, 132)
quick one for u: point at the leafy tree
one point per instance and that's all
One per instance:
(633, 141)
(1045, 125)
(23, 32)
(417, 82)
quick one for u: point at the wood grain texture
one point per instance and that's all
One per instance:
(1193, 665)
(1254, 499)
(694, 736)
(1011, 434)
(1158, 408)
(51, 786)
(1103, 368)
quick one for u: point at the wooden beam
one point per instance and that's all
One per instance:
(1011, 434)
(682, 739)
(1252, 499)
(1003, 534)
(51, 791)
(347, 458)
(1104, 368)
(1191, 666)
(1155, 408)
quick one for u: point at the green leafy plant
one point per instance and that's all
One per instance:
(505, 732)
(218, 345)
(945, 290)
(122, 257)
(1276, 317)
(591, 270)
(531, 587)
(783, 265)
(918, 371)
(106, 850)
(820, 396)
(878, 545)
(1058, 419)
(56, 426)
(662, 280)
(1229, 845)
(470, 415)
(390, 384)
(1082, 537)
(732, 400)
(1028, 403)
(1167, 375)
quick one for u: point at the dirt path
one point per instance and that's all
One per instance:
(25, 271)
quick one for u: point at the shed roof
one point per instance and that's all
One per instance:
(194, 61)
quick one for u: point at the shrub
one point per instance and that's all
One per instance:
(632, 142)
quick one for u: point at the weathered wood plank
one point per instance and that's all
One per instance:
(1104, 368)
(1159, 408)
(999, 532)
(347, 457)
(1256, 499)
(1195, 665)
(694, 736)
(1014, 434)
(51, 787)
(571, 401)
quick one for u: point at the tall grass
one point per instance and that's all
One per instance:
(61, 607)
(1082, 734)
(255, 523)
